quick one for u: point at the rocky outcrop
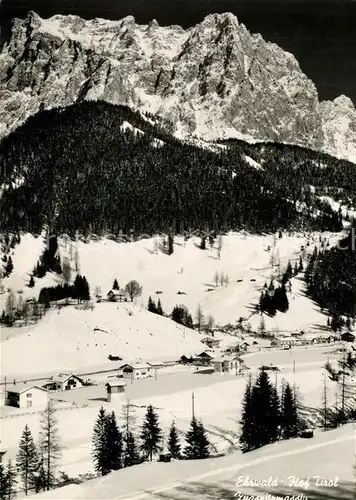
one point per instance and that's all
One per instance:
(214, 80)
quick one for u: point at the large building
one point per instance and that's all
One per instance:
(63, 382)
(136, 371)
(26, 396)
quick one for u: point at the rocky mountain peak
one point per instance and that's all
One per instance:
(213, 80)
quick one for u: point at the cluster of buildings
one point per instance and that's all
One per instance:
(301, 338)
(221, 359)
(28, 395)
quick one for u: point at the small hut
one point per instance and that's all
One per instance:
(115, 390)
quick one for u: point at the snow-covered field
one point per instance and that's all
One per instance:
(71, 339)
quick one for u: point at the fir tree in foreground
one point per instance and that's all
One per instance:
(115, 442)
(247, 438)
(174, 446)
(289, 414)
(11, 480)
(131, 454)
(40, 478)
(261, 414)
(151, 433)
(100, 452)
(3, 481)
(197, 442)
(27, 460)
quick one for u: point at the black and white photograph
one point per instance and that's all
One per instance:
(178, 249)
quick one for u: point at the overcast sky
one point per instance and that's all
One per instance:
(321, 34)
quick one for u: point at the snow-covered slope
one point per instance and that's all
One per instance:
(214, 80)
(74, 339)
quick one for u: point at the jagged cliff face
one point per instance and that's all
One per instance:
(214, 80)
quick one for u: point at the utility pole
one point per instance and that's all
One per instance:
(155, 373)
(293, 365)
(193, 414)
(127, 417)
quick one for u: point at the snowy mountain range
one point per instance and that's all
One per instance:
(214, 80)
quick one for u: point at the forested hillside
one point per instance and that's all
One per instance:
(331, 277)
(97, 168)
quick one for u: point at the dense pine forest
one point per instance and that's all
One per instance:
(331, 277)
(84, 168)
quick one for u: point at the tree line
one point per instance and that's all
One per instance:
(35, 465)
(266, 415)
(330, 277)
(114, 448)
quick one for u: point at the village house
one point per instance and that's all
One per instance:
(26, 396)
(204, 358)
(136, 371)
(229, 364)
(210, 342)
(117, 296)
(63, 382)
(115, 391)
(237, 347)
(286, 342)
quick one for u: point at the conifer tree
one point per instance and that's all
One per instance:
(203, 442)
(40, 478)
(151, 306)
(265, 406)
(11, 480)
(197, 442)
(31, 283)
(300, 267)
(3, 481)
(85, 289)
(159, 308)
(115, 285)
(151, 433)
(289, 414)
(100, 451)
(131, 454)
(27, 459)
(247, 437)
(115, 442)
(9, 267)
(49, 442)
(174, 446)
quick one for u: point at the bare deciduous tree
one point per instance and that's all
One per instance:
(133, 289)
(49, 442)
